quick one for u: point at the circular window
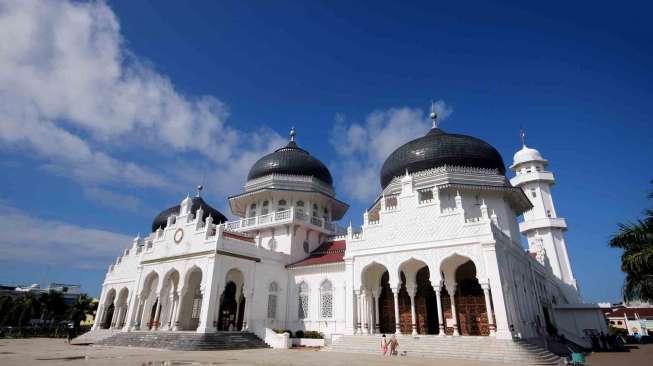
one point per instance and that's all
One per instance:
(179, 235)
(306, 246)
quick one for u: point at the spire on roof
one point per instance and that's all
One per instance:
(522, 135)
(199, 190)
(292, 133)
(434, 115)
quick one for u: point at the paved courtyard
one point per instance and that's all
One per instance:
(40, 351)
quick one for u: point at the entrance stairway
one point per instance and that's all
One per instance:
(93, 336)
(185, 341)
(472, 348)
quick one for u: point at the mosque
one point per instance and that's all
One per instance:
(439, 253)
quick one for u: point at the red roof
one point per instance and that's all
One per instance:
(641, 312)
(329, 252)
(232, 235)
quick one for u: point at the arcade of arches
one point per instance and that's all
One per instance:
(171, 306)
(423, 308)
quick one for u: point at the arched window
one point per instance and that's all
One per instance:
(282, 205)
(252, 210)
(302, 309)
(326, 300)
(272, 300)
(315, 210)
(265, 210)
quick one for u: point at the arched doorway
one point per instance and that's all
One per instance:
(386, 306)
(426, 307)
(108, 316)
(470, 302)
(191, 301)
(228, 319)
(149, 300)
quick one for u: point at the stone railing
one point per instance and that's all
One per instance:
(278, 217)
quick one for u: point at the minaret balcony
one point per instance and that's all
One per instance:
(547, 222)
(532, 177)
(290, 216)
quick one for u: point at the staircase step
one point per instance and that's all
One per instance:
(185, 340)
(475, 348)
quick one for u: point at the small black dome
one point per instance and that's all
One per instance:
(290, 159)
(161, 220)
(438, 148)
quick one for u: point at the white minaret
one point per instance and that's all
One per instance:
(542, 226)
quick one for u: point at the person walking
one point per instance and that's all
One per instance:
(384, 345)
(71, 331)
(394, 344)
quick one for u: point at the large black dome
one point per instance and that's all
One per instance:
(438, 148)
(290, 159)
(161, 220)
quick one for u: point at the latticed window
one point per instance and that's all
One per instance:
(326, 300)
(197, 307)
(272, 300)
(302, 312)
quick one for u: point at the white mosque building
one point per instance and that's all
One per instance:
(440, 252)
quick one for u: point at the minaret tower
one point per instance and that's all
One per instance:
(542, 226)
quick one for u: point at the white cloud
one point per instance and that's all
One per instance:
(71, 91)
(365, 146)
(35, 240)
(117, 200)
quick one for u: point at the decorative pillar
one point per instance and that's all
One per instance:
(395, 293)
(377, 322)
(114, 316)
(180, 300)
(438, 293)
(452, 296)
(157, 313)
(364, 315)
(413, 320)
(139, 312)
(171, 311)
(357, 295)
(248, 298)
(98, 318)
(488, 308)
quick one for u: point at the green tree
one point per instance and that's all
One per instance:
(27, 308)
(53, 304)
(636, 240)
(82, 307)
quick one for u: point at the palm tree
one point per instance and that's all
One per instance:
(636, 239)
(82, 307)
(53, 305)
(27, 308)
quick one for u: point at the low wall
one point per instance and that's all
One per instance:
(307, 342)
(576, 321)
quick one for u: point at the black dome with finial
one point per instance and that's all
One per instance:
(438, 148)
(292, 160)
(161, 220)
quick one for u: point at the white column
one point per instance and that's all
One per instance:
(438, 292)
(249, 297)
(146, 314)
(358, 296)
(377, 321)
(451, 288)
(395, 293)
(171, 309)
(413, 318)
(157, 312)
(114, 316)
(364, 315)
(180, 300)
(98, 317)
(488, 308)
(139, 313)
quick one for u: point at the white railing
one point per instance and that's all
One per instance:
(280, 216)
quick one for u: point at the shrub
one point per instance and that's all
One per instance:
(282, 331)
(313, 334)
(299, 334)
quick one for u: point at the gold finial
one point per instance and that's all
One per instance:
(292, 133)
(434, 115)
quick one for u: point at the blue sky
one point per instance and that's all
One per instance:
(97, 99)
